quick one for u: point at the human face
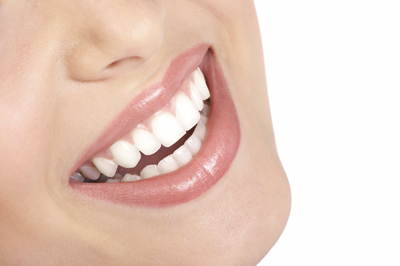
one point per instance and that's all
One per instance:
(78, 78)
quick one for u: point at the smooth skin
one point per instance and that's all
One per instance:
(67, 69)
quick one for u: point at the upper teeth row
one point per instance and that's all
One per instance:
(164, 129)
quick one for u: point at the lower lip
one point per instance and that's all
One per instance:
(207, 167)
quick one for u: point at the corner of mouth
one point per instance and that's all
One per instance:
(199, 158)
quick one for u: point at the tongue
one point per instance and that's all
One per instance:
(156, 157)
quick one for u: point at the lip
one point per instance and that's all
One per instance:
(207, 167)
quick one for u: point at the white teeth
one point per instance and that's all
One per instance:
(200, 131)
(163, 128)
(150, 171)
(113, 180)
(78, 177)
(201, 85)
(168, 164)
(130, 178)
(182, 155)
(145, 141)
(193, 143)
(125, 154)
(167, 129)
(204, 119)
(105, 166)
(196, 97)
(186, 112)
(90, 172)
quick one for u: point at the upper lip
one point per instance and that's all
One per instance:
(207, 167)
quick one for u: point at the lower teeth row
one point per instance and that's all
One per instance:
(179, 158)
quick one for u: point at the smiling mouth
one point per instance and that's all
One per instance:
(171, 144)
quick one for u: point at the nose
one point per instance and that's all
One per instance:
(113, 36)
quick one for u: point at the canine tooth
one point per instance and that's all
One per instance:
(113, 180)
(206, 110)
(168, 164)
(105, 166)
(196, 97)
(204, 119)
(130, 178)
(150, 171)
(201, 85)
(145, 141)
(125, 154)
(182, 155)
(77, 176)
(90, 172)
(200, 131)
(186, 112)
(167, 129)
(193, 143)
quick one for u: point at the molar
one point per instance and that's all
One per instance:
(77, 177)
(206, 110)
(90, 172)
(204, 119)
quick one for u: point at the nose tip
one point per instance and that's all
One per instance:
(114, 36)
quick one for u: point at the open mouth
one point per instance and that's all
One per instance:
(172, 143)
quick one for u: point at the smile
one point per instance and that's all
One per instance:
(171, 143)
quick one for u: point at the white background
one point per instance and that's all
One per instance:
(333, 74)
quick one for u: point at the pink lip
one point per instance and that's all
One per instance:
(206, 168)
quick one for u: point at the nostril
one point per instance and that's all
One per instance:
(114, 38)
(117, 63)
(120, 66)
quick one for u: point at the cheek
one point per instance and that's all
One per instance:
(26, 100)
(25, 135)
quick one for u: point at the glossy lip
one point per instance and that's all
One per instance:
(207, 167)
